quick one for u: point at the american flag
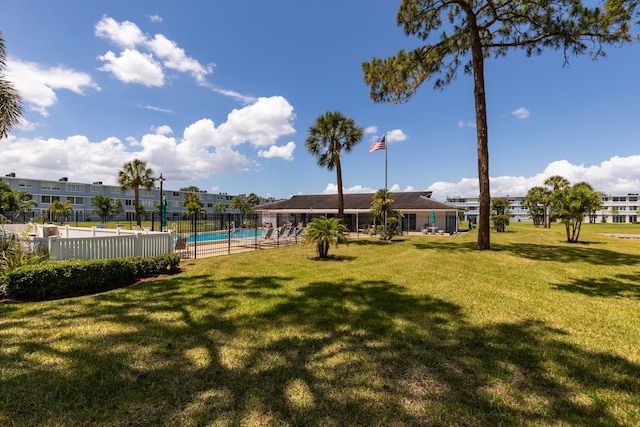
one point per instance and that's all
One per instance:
(379, 144)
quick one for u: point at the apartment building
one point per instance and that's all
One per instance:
(616, 209)
(471, 207)
(80, 195)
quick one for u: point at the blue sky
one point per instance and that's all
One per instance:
(220, 95)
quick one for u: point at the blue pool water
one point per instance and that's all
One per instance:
(214, 236)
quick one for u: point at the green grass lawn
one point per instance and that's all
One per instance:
(422, 331)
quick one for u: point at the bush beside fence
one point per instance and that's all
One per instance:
(61, 278)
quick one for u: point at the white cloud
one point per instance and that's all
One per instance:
(124, 34)
(201, 151)
(151, 107)
(133, 67)
(26, 125)
(155, 18)
(245, 99)
(260, 123)
(395, 188)
(396, 135)
(618, 175)
(356, 189)
(284, 151)
(174, 57)
(466, 123)
(38, 85)
(521, 113)
(163, 130)
(144, 58)
(370, 129)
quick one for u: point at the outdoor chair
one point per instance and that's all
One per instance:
(269, 233)
(181, 246)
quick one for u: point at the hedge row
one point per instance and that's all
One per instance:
(61, 278)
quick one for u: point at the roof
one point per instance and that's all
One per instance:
(402, 201)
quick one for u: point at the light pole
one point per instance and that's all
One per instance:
(162, 207)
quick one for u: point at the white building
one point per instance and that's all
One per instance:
(79, 195)
(617, 208)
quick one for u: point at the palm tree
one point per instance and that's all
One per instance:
(571, 204)
(537, 201)
(557, 183)
(10, 100)
(104, 207)
(59, 210)
(382, 211)
(135, 174)
(500, 213)
(193, 204)
(253, 199)
(332, 133)
(220, 209)
(25, 202)
(323, 232)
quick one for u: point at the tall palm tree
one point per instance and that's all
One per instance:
(136, 174)
(10, 100)
(193, 204)
(557, 183)
(332, 133)
(537, 201)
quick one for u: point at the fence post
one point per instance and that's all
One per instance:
(137, 245)
(54, 247)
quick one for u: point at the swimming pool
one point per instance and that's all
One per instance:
(216, 236)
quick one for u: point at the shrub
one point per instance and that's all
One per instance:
(60, 278)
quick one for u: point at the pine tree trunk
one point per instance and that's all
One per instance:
(482, 135)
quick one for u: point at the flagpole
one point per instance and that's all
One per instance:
(386, 187)
(386, 149)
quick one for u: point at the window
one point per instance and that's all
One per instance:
(75, 200)
(633, 218)
(49, 199)
(633, 208)
(24, 183)
(619, 218)
(95, 188)
(176, 194)
(115, 190)
(51, 186)
(75, 188)
(128, 202)
(633, 198)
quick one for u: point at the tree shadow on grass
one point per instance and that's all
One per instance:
(187, 351)
(567, 253)
(622, 286)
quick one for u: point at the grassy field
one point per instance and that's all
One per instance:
(422, 331)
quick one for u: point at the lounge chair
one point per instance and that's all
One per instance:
(299, 232)
(269, 233)
(181, 247)
(282, 230)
